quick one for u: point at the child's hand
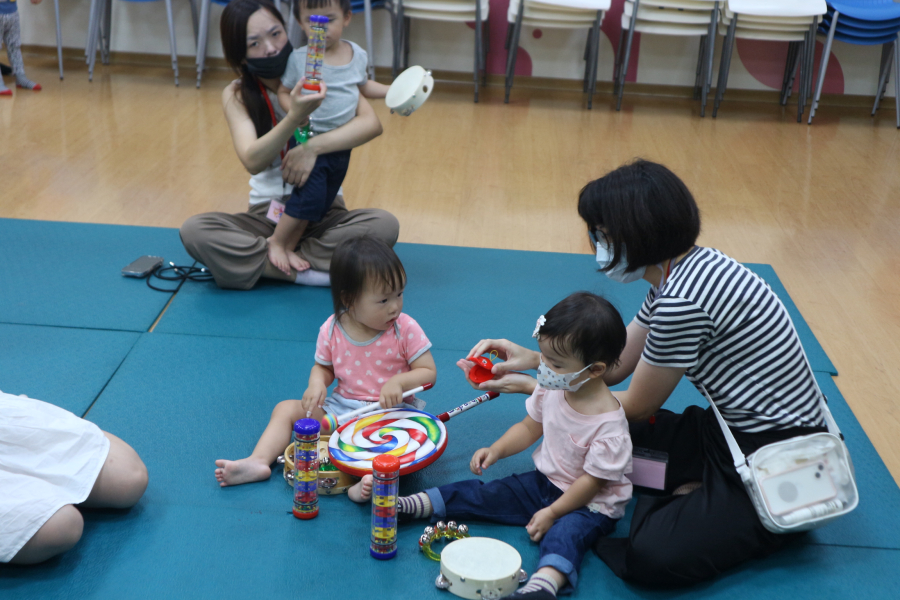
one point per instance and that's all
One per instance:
(482, 459)
(540, 523)
(391, 394)
(313, 397)
(303, 105)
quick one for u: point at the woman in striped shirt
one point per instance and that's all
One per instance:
(706, 317)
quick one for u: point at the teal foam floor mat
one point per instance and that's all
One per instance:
(458, 295)
(69, 274)
(65, 367)
(187, 535)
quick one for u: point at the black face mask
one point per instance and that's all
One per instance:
(270, 67)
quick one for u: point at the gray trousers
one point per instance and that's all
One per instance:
(235, 250)
(10, 37)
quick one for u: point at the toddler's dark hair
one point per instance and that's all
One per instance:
(314, 4)
(586, 326)
(358, 261)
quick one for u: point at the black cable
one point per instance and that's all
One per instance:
(179, 274)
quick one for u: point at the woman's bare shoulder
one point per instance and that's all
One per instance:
(231, 92)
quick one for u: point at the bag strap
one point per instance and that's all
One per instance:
(740, 461)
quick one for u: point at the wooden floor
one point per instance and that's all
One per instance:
(821, 204)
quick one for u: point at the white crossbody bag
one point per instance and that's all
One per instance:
(800, 483)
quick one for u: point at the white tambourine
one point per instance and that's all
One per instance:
(479, 567)
(409, 91)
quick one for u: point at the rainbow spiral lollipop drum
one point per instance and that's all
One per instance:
(416, 438)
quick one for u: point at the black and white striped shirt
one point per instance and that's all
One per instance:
(726, 326)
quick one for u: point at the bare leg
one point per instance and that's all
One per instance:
(59, 534)
(282, 243)
(276, 437)
(122, 479)
(361, 490)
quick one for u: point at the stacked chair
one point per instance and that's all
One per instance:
(670, 17)
(867, 23)
(99, 25)
(560, 14)
(462, 11)
(792, 21)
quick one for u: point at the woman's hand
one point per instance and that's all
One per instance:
(297, 164)
(482, 459)
(303, 104)
(540, 524)
(515, 357)
(506, 383)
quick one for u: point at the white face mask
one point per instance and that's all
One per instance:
(549, 379)
(617, 273)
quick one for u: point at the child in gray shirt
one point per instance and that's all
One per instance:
(344, 73)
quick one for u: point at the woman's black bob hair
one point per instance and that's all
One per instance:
(362, 260)
(643, 207)
(586, 326)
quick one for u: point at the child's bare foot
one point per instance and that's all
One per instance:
(246, 470)
(296, 262)
(278, 256)
(362, 491)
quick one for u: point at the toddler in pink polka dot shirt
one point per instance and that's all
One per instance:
(373, 350)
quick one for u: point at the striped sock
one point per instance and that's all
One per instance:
(417, 505)
(538, 583)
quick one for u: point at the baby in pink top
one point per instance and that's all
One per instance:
(373, 350)
(361, 368)
(579, 487)
(575, 443)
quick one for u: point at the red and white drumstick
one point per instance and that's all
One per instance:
(329, 423)
(461, 409)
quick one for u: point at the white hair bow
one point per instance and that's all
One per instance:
(540, 323)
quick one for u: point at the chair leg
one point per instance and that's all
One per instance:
(820, 83)
(887, 59)
(58, 38)
(485, 47)
(106, 35)
(92, 15)
(808, 45)
(370, 47)
(788, 65)
(407, 25)
(513, 52)
(725, 64)
(623, 69)
(897, 80)
(93, 37)
(710, 51)
(587, 62)
(595, 51)
(617, 63)
(600, 16)
(172, 46)
(395, 38)
(700, 54)
(478, 32)
(795, 66)
(201, 39)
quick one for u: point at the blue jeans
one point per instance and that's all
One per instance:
(314, 198)
(513, 500)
